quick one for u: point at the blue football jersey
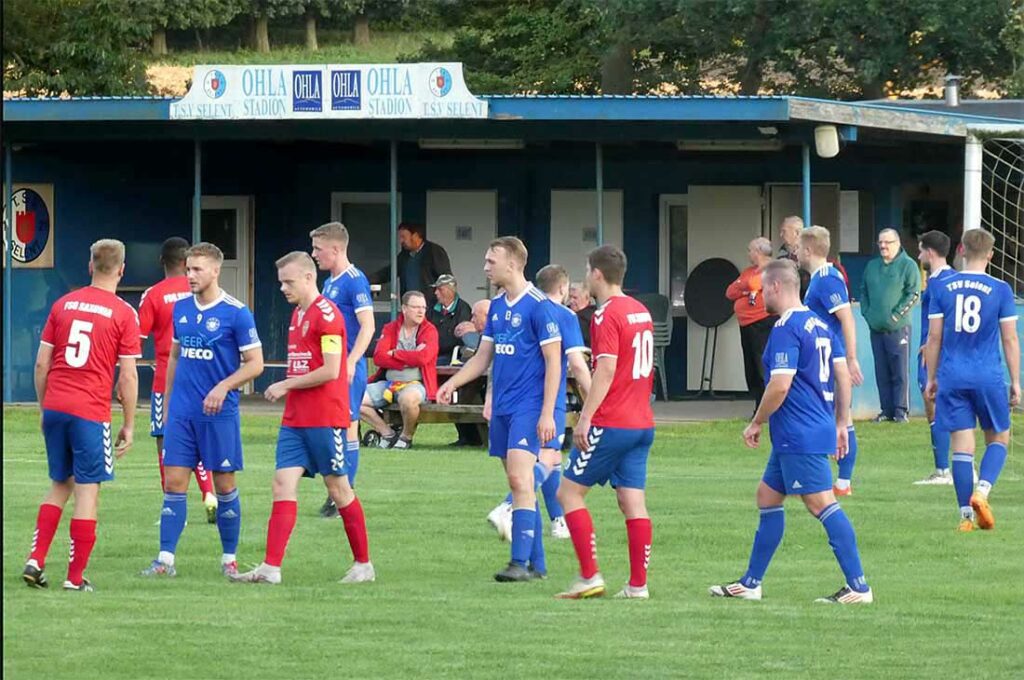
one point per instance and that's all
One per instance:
(518, 328)
(572, 341)
(802, 345)
(934, 280)
(350, 291)
(826, 294)
(971, 305)
(211, 339)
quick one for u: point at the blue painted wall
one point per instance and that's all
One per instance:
(141, 193)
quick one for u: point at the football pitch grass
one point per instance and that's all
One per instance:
(946, 605)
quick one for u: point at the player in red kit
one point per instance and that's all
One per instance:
(616, 427)
(311, 440)
(156, 318)
(88, 333)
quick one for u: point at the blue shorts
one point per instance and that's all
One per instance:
(559, 439)
(375, 392)
(796, 474)
(356, 390)
(320, 450)
(957, 409)
(615, 455)
(156, 415)
(514, 431)
(79, 448)
(214, 442)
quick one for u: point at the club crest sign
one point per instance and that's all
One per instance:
(32, 229)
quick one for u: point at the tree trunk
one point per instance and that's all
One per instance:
(617, 70)
(159, 44)
(752, 74)
(262, 36)
(199, 41)
(311, 43)
(361, 34)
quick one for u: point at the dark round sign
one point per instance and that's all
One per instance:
(704, 295)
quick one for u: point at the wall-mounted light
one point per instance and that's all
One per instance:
(826, 141)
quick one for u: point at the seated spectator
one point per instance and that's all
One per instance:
(581, 303)
(470, 332)
(447, 313)
(406, 356)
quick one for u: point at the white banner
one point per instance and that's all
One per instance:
(328, 91)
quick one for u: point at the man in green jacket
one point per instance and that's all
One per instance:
(891, 287)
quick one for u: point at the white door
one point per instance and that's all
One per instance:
(787, 199)
(464, 223)
(722, 221)
(227, 222)
(574, 227)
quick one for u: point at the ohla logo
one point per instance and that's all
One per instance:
(214, 84)
(440, 81)
(31, 230)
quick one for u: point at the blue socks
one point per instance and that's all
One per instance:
(963, 481)
(229, 521)
(537, 560)
(352, 461)
(850, 459)
(766, 540)
(940, 447)
(991, 465)
(172, 520)
(524, 522)
(844, 545)
(550, 491)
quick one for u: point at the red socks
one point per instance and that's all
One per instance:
(279, 530)
(204, 480)
(581, 529)
(46, 527)
(639, 533)
(355, 529)
(83, 538)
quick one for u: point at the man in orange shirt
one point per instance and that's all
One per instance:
(755, 322)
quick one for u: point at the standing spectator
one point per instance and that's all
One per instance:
(420, 262)
(789, 232)
(581, 303)
(892, 284)
(447, 313)
(755, 322)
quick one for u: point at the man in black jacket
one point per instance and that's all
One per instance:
(448, 312)
(419, 263)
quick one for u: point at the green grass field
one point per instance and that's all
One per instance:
(947, 605)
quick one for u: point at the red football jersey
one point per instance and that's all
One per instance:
(89, 329)
(156, 318)
(622, 328)
(311, 334)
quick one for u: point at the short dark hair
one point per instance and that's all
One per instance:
(935, 240)
(172, 252)
(414, 228)
(610, 261)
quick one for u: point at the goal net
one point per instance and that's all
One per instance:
(1002, 207)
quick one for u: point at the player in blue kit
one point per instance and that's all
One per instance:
(522, 338)
(805, 403)
(970, 314)
(933, 247)
(348, 288)
(547, 473)
(827, 297)
(215, 351)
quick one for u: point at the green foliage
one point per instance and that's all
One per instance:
(436, 612)
(81, 47)
(1012, 36)
(184, 14)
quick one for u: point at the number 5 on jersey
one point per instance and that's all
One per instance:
(79, 343)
